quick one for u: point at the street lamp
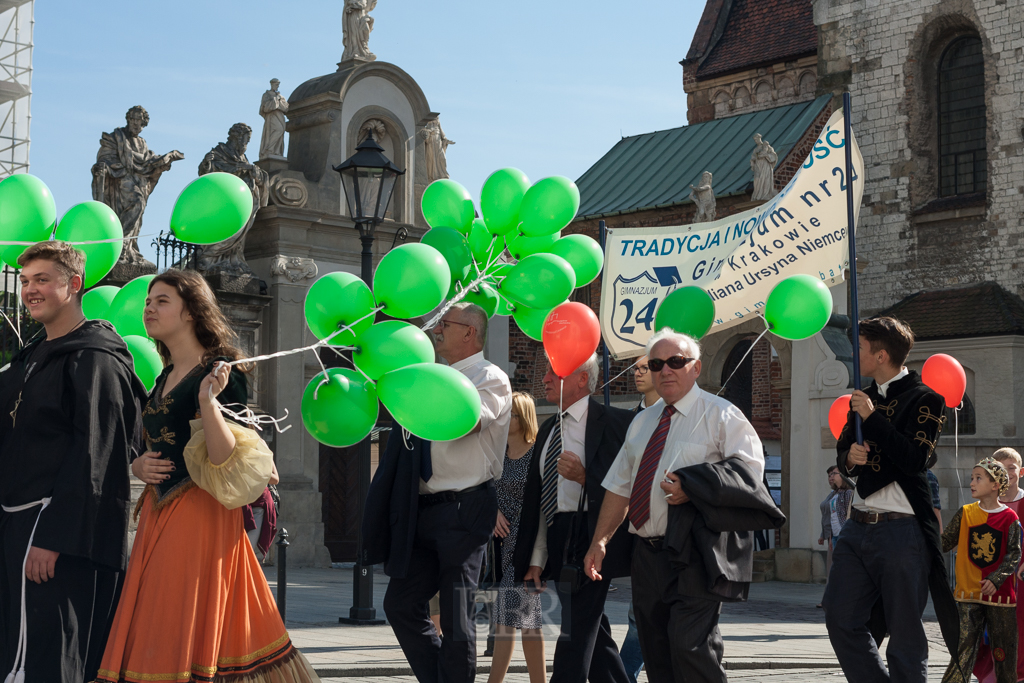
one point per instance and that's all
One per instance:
(368, 179)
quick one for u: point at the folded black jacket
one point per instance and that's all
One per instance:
(711, 537)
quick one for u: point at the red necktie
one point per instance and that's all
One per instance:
(640, 496)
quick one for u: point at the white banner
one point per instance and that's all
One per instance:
(738, 259)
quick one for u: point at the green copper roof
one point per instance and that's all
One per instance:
(656, 169)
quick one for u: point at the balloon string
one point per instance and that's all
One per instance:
(459, 296)
(956, 452)
(738, 365)
(247, 416)
(112, 239)
(20, 342)
(618, 375)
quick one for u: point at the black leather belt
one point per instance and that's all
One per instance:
(428, 499)
(654, 542)
(876, 517)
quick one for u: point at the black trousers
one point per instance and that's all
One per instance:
(446, 558)
(887, 560)
(69, 616)
(679, 635)
(585, 649)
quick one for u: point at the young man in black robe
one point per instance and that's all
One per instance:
(889, 555)
(70, 416)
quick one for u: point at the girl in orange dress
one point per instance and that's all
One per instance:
(195, 605)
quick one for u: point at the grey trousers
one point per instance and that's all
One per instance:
(887, 560)
(679, 635)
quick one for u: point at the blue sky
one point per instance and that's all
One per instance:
(547, 87)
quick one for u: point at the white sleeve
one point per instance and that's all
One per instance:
(739, 440)
(495, 397)
(540, 546)
(619, 479)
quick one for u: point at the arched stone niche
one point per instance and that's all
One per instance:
(324, 119)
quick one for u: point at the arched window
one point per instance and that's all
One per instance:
(962, 156)
(964, 423)
(739, 390)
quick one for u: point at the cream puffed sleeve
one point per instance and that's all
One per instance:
(241, 478)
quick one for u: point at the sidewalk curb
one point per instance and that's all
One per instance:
(372, 671)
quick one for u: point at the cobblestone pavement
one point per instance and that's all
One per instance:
(779, 634)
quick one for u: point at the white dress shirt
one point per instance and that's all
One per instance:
(574, 432)
(477, 457)
(705, 428)
(889, 498)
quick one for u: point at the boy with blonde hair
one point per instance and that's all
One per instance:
(987, 536)
(984, 666)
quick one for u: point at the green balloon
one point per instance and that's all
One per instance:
(411, 280)
(96, 302)
(338, 299)
(448, 204)
(531, 320)
(434, 402)
(483, 244)
(126, 308)
(549, 206)
(583, 253)
(341, 411)
(453, 247)
(520, 246)
(689, 310)
(390, 345)
(87, 222)
(501, 197)
(539, 281)
(27, 214)
(484, 296)
(145, 359)
(211, 209)
(798, 307)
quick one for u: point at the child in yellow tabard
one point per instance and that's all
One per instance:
(987, 536)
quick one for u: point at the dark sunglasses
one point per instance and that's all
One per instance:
(675, 362)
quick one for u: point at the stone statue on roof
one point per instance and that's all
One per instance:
(229, 157)
(762, 162)
(273, 107)
(704, 197)
(125, 174)
(435, 148)
(356, 27)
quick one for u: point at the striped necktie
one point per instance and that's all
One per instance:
(549, 488)
(640, 496)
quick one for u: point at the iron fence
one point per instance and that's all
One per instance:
(19, 327)
(173, 253)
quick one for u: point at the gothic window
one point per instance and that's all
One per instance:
(962, 158)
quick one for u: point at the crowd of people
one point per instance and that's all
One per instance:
(669, 493)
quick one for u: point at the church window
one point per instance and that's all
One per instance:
(962, 123)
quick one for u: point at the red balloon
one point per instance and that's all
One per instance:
(945, 376)
(837, 414)
(571, 333)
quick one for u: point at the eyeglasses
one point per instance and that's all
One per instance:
(641, 370)
(446, 323)
(675, 362)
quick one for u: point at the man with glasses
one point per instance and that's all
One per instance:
(455, 515)
(644, 384)
(677, 609)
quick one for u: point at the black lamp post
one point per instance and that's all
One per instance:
(368, 179)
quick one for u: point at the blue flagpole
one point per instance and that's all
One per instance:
(607, 361)
(854, 314)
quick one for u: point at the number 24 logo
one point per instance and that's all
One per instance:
(645, 316)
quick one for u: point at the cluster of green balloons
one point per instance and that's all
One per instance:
(394, 359)
(123, 308)
(513, 260)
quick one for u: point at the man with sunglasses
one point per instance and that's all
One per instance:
(455, 513)
(676, 612)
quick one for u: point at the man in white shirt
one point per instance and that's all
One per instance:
(575, 453)
(888, 555)
(457, 512)
(678, 629)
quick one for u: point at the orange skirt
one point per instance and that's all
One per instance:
(195, 605)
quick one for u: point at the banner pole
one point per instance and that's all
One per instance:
(607, 362)
(852, 241)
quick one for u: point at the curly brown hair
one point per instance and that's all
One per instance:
(211, 327)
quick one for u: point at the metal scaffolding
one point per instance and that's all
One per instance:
(16, 23)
